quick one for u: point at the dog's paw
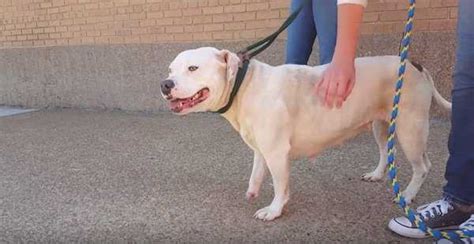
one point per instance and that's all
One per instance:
(372, 177)
(407, 201)
(251, 196)
(267, 214)
(409, 198)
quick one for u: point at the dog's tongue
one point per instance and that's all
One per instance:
(178, 105)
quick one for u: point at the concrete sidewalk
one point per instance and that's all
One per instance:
(72, 175)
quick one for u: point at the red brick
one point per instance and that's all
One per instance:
(257, 6)
(234, 8)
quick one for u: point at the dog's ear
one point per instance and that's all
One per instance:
(232, 63)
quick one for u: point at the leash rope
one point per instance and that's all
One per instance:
(392, 170)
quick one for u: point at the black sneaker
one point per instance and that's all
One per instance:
(468, 225)
(439, 215)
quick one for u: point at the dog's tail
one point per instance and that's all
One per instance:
(440, 100)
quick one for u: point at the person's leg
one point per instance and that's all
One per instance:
(460, 167)
(325, 18)
(301, 35)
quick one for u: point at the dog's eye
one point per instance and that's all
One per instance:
(192, 68)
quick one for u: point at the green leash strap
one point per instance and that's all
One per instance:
(263, 44)
(252, 50)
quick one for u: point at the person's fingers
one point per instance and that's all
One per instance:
(341, 92)
(350, 86)
(331, 93)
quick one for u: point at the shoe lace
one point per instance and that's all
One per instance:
(469, 224)
(436, 208)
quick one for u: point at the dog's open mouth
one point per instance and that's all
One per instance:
(179, 104)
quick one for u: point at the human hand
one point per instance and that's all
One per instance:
(337, 82)
(339, 77)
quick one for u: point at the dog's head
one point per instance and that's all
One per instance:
(199, 80)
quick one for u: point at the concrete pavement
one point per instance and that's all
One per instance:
(75, 175)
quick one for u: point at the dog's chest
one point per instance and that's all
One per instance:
(248, 137)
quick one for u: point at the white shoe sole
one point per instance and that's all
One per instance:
(409, 231)
(406, 231)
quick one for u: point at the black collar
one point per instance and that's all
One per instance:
(238, 82)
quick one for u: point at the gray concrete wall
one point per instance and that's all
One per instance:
(127, 76)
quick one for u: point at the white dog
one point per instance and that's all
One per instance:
(279, 117)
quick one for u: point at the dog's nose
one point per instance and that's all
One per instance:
(166, 86)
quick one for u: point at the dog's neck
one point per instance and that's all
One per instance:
(231, 114)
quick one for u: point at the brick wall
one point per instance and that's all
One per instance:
(77, 22)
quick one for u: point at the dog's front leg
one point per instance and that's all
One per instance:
(257, 176)
(279, 166)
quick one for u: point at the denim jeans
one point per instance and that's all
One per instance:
(460, 166)
(318, 18)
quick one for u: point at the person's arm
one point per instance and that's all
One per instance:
(338, 79)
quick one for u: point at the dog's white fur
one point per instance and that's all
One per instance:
(280, 118)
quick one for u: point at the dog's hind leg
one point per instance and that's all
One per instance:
(413, 135)
(380, 130)
(257, 176)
